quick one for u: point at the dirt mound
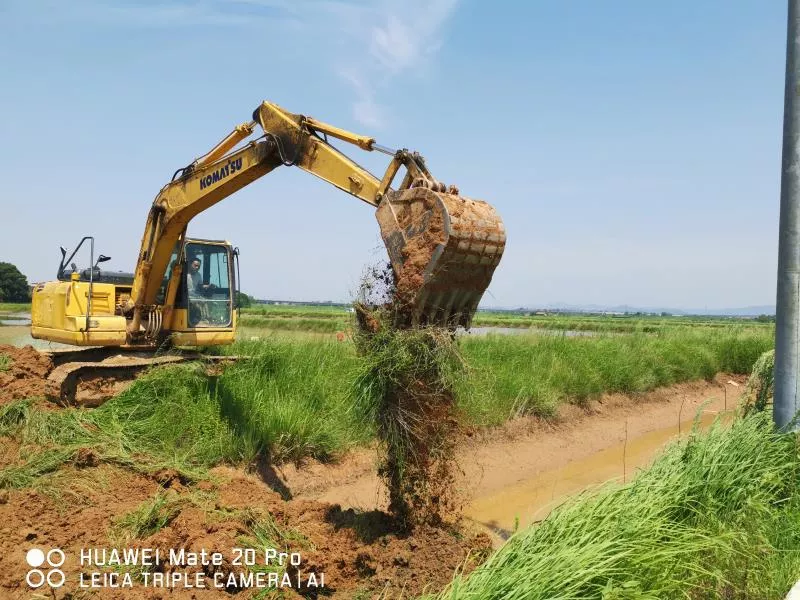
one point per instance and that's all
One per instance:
(358, 552)
(26, 376)
(363, 551)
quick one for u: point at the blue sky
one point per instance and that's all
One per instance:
(632, 148)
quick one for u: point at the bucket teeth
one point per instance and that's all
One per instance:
(444, 249)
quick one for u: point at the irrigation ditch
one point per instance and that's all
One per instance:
(276, 451)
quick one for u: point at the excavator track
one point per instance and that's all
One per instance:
(109, 367)
(444, 249)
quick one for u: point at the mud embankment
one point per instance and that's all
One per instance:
(515, 474)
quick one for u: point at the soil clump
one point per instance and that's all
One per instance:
(359, 553)
(26, 376)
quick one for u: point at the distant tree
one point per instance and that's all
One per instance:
(765, 318)
(13, 284)
(243, 300)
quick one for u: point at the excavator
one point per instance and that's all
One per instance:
(443, 249)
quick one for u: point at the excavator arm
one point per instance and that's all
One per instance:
(443, 247)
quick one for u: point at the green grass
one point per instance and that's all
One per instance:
(323, 325)
(148, 518)
(14, 307)
(526, 374)
(289, 400)
(330, 318)
(293, 398)
(5, 362)
(607, 323)
(714, 517)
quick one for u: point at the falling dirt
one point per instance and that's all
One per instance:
(411, 406)
(421, 478)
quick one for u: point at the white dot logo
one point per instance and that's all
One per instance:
(35, 557)
(53, 576)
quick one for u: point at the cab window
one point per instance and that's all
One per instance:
(206, 283)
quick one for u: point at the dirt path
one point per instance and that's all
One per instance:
(515, 474)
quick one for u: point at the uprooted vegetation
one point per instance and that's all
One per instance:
(405, 391)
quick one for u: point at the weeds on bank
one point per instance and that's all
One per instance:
(293, 398)
(510, 375)
(715, 516)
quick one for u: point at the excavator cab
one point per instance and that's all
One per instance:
(205, 296)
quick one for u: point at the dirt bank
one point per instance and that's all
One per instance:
(357, 552)
(529, 448)
(26, 374)
(328, 513)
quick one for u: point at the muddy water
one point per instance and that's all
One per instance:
(20, 335)
(531, 500)
(527, 467)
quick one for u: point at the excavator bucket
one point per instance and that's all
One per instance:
(443, 249)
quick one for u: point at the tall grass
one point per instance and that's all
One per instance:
(714, 517)
(520, 374)
(14, 307)
(289, 400)
(323, 325)
(294, 398)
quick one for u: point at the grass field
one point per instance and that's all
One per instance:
(293, 397)
(331, 319)
(715, 517)
(10, 307)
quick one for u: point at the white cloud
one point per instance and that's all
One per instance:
(370, 44)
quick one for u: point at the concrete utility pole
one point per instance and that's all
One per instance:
(787, 328)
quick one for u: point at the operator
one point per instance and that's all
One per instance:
(199, 311)
(194, 281)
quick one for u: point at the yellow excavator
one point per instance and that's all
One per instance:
(443, 250)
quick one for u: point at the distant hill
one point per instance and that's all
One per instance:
(746, 311)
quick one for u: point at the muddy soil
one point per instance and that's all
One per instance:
(357, 552)
(27, 374)
(494, 462)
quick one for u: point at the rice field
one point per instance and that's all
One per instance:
(337, 318)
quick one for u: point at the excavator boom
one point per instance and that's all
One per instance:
(443, 247)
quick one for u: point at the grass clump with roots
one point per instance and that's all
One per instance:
(404, 391)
